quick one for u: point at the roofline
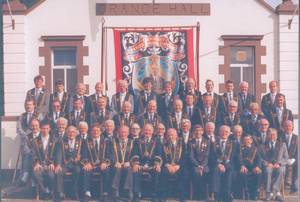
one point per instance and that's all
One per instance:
(18, 8)
(266, 5)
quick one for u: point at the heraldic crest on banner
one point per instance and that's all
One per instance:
(160, 55)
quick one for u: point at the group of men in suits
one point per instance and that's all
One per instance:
(221, 144)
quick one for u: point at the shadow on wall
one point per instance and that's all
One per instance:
(9, 150)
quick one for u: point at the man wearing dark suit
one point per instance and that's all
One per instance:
(101, 114)
(55, 113)
(78, 114)
(40, 95)
(236, 137)
(109, 130)
(160, 134)
(232, 117)
(146, 158)
(145, 96)
(274, 159)
(244, 98)
(173, 163)
(186, 136)
(224, 153)
(249, 168)
(291, 141)
(260, 137)
(121, 96)
(212, 137)
(268, 100)
(216, 98)
(23, 124)
(125, 117)
(209, 112)
(165, 101)
(150, 116)
(199, 148)
(175, 118)
(43, 160)
(99, 92)
(61, 95)
(96, 158)
(60, 132)
(250, 122)
(228, 95)
(192, 110)
(121, 163)
(135, 131)
(27, 149)
(279, 114)
(80, 94)
(190, 88)
(67, 159)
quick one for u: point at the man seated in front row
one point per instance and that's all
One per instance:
(274, 160)
(173, 158)
(147, 159)
(250, 168)
(96, 157)
(43, 161)
(121, 163)
(68, 160)
(225, 154)
(198, 155)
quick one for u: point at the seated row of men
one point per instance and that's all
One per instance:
(213, 163)
(199, 108)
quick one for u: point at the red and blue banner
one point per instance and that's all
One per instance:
(165, 55)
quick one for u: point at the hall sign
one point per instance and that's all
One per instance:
(153, 9)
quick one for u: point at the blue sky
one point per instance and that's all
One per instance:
(274, 3)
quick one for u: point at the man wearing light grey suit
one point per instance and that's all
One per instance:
(274, 159)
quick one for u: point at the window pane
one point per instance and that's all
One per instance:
(242, 55)
(64, 57)
(248, 75)
(58, 74)
(71, 80)
(235, 76)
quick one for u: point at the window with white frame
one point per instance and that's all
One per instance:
(64, 67)
(242, 66)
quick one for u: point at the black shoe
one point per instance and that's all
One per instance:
(278, 198)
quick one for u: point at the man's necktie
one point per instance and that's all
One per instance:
(96, 146)
(223, 145)
(29, 117)
(56, 115)
(190, 112)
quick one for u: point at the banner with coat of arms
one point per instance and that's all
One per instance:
(163, 55)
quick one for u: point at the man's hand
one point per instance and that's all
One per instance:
(270, 165)
(157, 168)
(244, 170)
(257, 170)
(51, 167)
(37, 167)
(221, 168)
(200, 170)
(57, 169)
(126, 165)
(88, 167)
(103, 166)
(118, 165)
(276, 165)
(135, 168)
(176, 168)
